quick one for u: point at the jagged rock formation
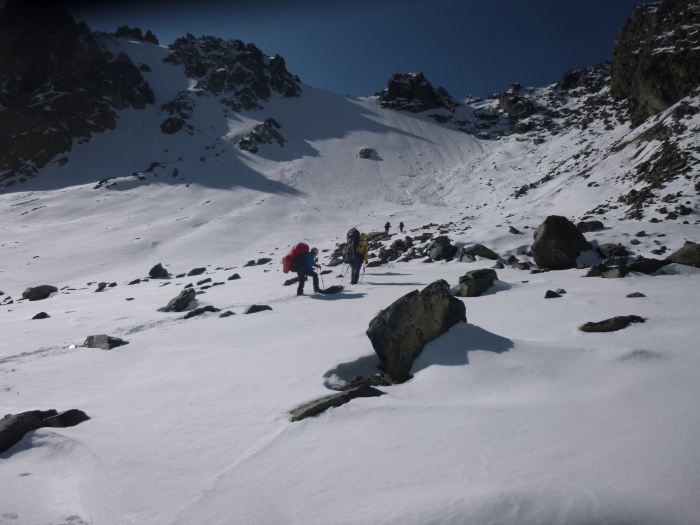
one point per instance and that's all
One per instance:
(412, 92)
(656, 56)
(239, 74)
(58, 84)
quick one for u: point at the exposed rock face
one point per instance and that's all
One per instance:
(13, 427)
(688, 255)
(37, 293)
(516, 106)
(412, 92)
(104, 341)
(589, 226)
(265, 133)
(399, 332)
(557, 243)
(474, 283)
(656, 56)
(182, 301)
(59, 85)
(609, 249)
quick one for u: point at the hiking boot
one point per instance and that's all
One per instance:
(317, 290)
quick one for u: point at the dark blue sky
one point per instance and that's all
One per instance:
(469, 47)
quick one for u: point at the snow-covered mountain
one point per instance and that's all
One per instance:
(117, 153)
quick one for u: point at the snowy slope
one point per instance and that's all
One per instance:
(513, 417)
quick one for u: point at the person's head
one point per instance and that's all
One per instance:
(314, 251)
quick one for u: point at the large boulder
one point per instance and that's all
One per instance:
(182, 301)
(557, 243)
(688, 255)
(399, 332)
(37, 293)
(476, 282)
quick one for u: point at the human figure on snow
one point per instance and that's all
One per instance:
(360, 256)
(386, 227)
(304, 266)
(401, 227)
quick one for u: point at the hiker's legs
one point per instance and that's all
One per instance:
(355, 276)
(314, 276)
(302, 280)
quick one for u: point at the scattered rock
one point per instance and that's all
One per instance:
(399, 332)
(316, 407)
(549, 294)
(646, 266)
(635, 242)
(227, 313)
(476, 282)
(262, 260)
(611, 325)
(104, 341)
(255, 308)
(157, 272)
(204, 281)
(442, 249)
(200, 311)
(365, 153)
(557, 243)
(135, 281)
(513, 230)
(41, 315)
(182, 301)
(635, 295)
(234, 277)
(37, 293)
(196, 271)
(101, 287)
(609, 249)
(481, 251)
(13, 427)
(589, 226)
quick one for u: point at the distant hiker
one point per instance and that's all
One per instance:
(401, 227)
(302, 261)
(386, 227)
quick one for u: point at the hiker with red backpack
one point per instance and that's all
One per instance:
(302, 261)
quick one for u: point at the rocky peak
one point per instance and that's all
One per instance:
(238, 73)
(656, 56)
(135, 33)
(412, 92)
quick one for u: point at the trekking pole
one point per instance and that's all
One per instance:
(321, 275)
(345, 272)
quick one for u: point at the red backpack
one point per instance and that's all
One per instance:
(298, 249)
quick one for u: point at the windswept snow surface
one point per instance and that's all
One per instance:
(515, 417)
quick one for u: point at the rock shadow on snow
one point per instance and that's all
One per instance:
(453, 347)
(364, 366)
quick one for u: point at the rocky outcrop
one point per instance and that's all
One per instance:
(656, 56)
(13, 427)
(265, 133)
(240, 75)
(412, 92)
(441, 249)
(59, 85)
(399, 332)
(557, 243)
(38, 293)
(479, 250)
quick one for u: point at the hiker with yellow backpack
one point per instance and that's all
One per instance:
(356, 253)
